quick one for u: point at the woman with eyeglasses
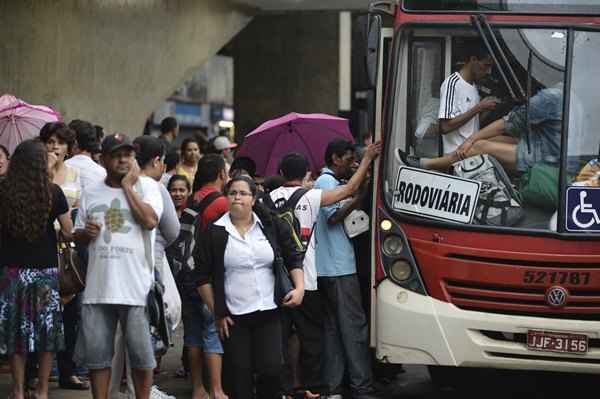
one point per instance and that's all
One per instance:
(234, 271)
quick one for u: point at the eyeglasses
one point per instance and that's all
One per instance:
(234, 193)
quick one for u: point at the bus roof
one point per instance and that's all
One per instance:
(529, 7)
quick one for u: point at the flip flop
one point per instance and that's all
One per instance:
(76, 386)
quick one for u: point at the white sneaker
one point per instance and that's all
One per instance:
(336, 396)
(156, 393)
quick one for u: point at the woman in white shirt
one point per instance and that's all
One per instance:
(59, 140)
(234, 271)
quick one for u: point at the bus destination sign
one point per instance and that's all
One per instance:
(435, 195)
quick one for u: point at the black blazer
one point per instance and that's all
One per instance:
(209, 255)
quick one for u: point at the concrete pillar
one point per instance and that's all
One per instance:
(109, 61)
(345, 61)
(283, 63)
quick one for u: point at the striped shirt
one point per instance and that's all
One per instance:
(457, 96)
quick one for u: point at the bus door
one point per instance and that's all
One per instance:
(381, 44)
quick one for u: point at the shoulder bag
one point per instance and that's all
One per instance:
(283, 281)
(71, 276)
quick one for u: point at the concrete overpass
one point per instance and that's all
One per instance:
(112, 61)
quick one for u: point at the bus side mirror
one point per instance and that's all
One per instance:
(373, 39)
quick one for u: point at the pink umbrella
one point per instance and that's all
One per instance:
(307, 134)
(20, 121)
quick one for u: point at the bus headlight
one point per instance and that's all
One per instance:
(401, 270)
(393, 245)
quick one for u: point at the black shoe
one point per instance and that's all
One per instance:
(370, 395)
(408, 160)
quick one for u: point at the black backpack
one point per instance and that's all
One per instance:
(179, 253)
(284, 210)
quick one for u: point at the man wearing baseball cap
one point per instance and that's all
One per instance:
(224, 147)
(87, 144)
(117, 217)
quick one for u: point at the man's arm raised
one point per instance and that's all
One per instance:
(342, 192)
(142, 212)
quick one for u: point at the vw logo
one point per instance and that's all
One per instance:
(557, 296)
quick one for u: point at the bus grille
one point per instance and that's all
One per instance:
(525, 301)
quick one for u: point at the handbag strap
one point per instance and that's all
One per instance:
(272, 240)
(146, 236)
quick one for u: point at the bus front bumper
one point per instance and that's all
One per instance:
(418, 329)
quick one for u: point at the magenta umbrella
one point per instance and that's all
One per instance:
(20, 121)
(308, 134)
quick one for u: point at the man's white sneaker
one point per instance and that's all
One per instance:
(156, 393)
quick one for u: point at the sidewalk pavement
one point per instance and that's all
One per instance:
(166, 380)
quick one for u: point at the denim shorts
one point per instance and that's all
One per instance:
(199, 329)
(96, 341)
(543, 143)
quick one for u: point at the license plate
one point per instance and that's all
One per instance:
(548, 341)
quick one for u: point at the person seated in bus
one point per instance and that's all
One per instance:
(428, 122)
(459, 103)
(521, 149)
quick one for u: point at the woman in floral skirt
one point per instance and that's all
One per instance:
(30, 310)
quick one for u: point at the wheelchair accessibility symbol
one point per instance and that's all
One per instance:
(583, 209)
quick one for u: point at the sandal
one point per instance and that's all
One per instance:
(74, 385)
(181, 373)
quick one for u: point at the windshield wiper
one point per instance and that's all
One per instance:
(491, 42)
(529, 63)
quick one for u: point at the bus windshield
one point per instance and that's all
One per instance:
(519, 151)
(558, 7)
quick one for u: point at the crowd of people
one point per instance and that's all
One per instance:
(210, 234)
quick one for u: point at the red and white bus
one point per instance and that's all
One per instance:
(451, 291)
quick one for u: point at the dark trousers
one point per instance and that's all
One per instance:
(71, 316)
(307, 319)
(253, 346)
(346, 335)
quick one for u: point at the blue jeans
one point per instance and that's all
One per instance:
(199, 329)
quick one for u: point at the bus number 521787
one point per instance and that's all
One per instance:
(573, 278)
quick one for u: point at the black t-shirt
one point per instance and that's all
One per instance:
(169, 146)
(38, 254)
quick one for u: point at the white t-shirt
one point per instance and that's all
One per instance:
(89, 171)
(118, 272)
(307, 211)
(457, 96)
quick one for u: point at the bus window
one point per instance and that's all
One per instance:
(527, 129)
(584, 115)
(426, 75)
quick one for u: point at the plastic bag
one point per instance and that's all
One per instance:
(539, 186)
